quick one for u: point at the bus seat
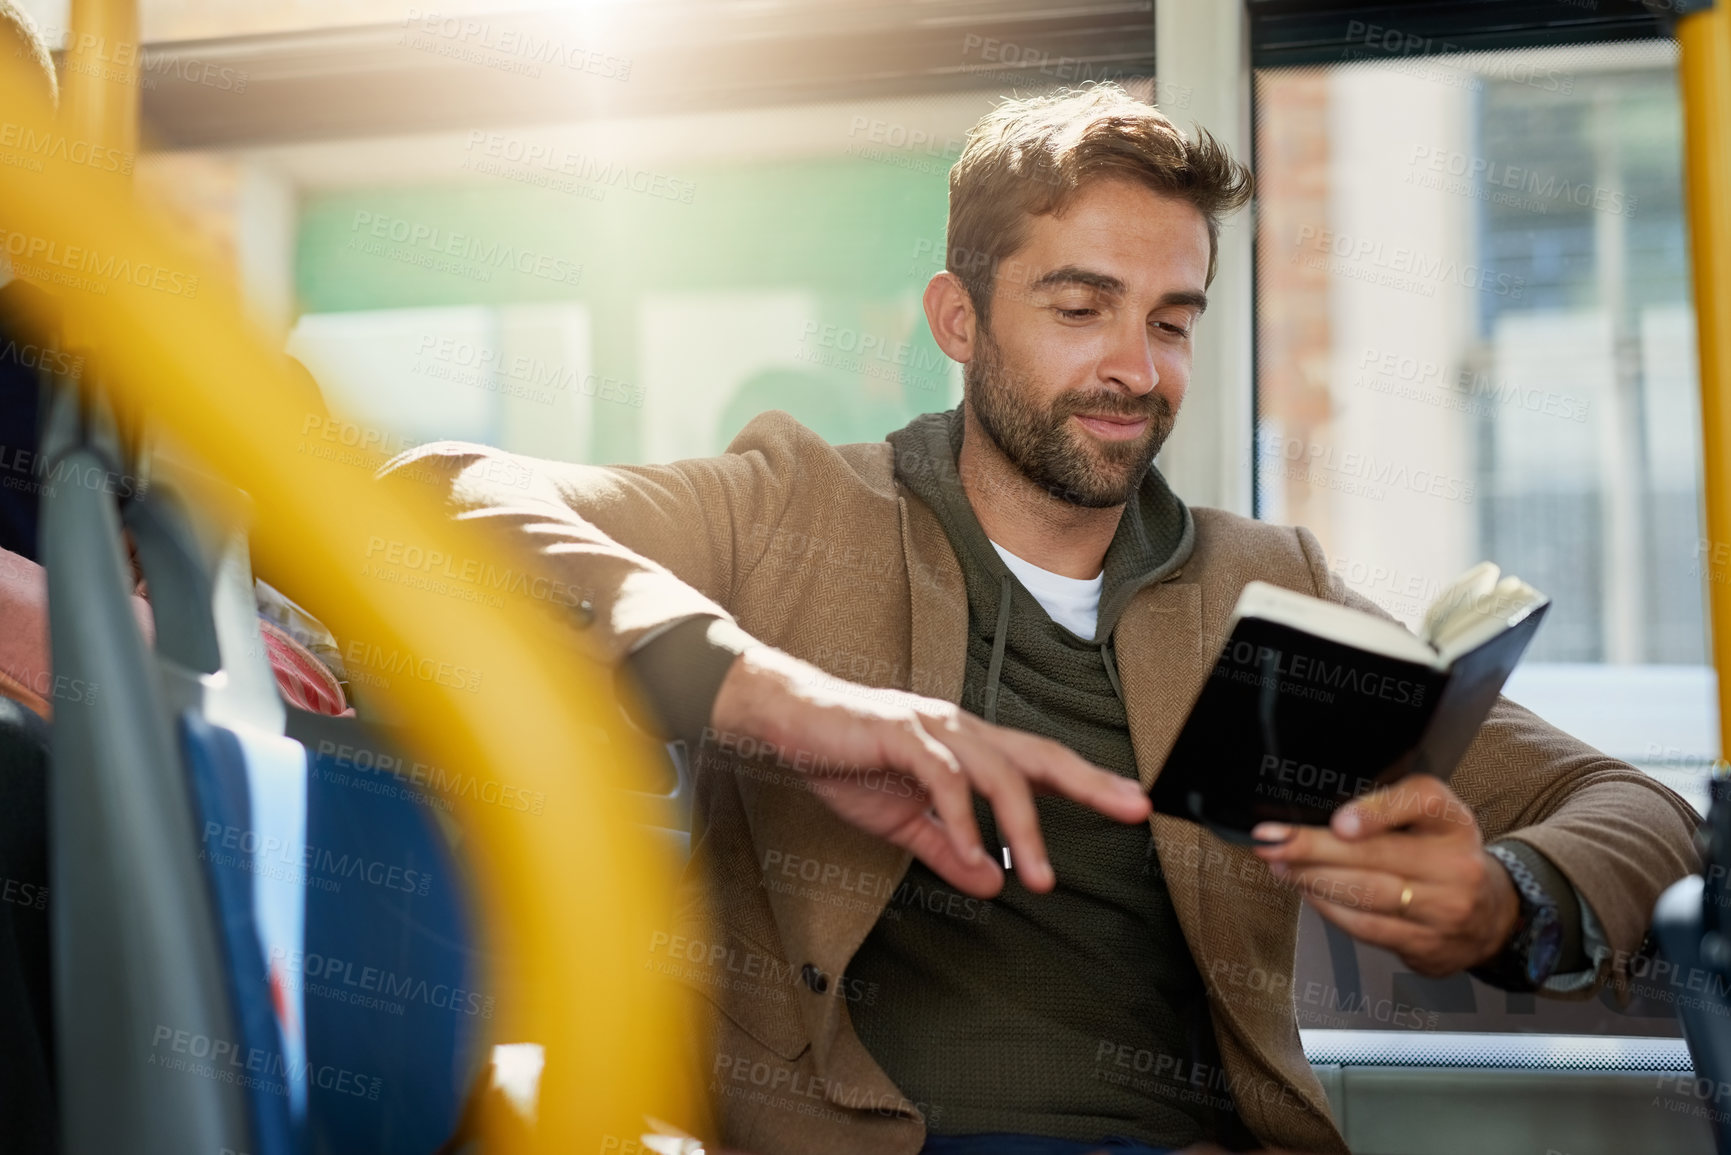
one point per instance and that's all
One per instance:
(137, 961)
(251, 951)
(351, 945)
(261, 909)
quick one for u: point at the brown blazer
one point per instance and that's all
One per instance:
(817, 550)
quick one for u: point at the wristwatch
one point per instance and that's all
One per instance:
(1536, 946)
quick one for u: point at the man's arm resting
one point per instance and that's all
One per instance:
(634, 548)
(662, 624)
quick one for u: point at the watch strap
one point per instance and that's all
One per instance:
(1555, 883)
(1540, 944)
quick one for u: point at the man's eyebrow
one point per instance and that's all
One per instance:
(1106, 283)
(1195, 298)
(1077, 275)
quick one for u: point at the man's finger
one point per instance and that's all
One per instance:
(1408, 855)
(927, 840)
(1417, 802)
(1402, 936)
(1005, 787)
(1056, 769)
(1372, 891)
(936, 765)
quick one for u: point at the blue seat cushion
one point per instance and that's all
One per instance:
(368, 1008)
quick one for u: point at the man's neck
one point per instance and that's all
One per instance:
(1026, 520)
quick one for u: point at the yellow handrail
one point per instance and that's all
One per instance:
(100, 92)
(570, 897)
(1704, 74)
(100, 79)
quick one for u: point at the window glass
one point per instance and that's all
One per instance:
(1475, 340)
(690, 272)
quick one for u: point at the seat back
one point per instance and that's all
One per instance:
(394, 983)
(351, 949)
(250, 802)
(138, 963)
(254, 950)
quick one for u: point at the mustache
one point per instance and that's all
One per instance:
(1150, 405)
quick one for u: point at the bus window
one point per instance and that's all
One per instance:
(1475, 339)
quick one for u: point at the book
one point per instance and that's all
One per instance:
(1312, 704)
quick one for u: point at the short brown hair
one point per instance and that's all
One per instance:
(1030, 157)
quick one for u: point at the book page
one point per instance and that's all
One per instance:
(1469, 625)
(1332, 621)
(1471, 586)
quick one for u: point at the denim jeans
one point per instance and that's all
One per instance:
(1032, 1145)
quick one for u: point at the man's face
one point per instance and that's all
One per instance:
(1079, 377)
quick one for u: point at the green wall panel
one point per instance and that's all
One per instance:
(861, 238)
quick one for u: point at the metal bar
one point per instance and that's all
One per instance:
(101, 74)
(99, 92)
(1704, 74)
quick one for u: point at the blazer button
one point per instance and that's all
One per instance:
(585, 613)
(815, 979)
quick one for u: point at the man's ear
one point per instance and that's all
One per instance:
(950, 313)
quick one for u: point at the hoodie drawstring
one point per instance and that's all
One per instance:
(993, 671)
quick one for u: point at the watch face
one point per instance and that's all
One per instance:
(1544, 946)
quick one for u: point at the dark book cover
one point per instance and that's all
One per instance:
(1291, 725)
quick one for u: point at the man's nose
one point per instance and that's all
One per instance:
(1128, 362)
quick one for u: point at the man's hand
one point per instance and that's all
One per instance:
(1416, 833)
(933, 756)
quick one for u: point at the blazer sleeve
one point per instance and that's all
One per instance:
(646, 557)
(1617, 835)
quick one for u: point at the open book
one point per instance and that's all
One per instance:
(1312, 703)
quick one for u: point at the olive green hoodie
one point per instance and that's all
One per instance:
(1077, 1014)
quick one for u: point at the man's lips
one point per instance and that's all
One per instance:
(1113, 428)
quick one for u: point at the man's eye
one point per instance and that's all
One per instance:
(1175, 330)
(1076, 314)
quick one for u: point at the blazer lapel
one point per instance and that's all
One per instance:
(1237, 920)
(827, 936)
(1157, 642)
(939, 602)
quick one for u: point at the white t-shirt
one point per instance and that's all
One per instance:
(1073, 603)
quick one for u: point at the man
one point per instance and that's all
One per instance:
(1034, 610)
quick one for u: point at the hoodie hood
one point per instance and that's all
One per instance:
(1154, 537)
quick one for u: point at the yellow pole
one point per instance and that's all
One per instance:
(99, 95)
(1705, 77)
(100, 77)
(570, 892)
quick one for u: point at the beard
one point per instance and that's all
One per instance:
(1040, 442)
